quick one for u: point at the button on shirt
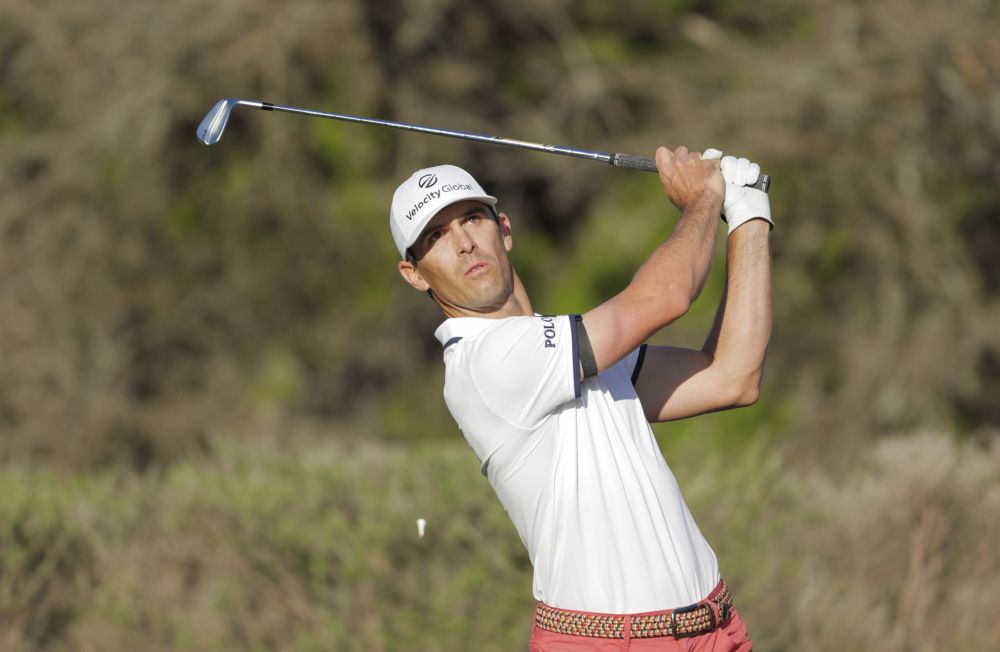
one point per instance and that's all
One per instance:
(576, 466)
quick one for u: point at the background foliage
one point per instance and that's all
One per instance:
(208, 356)
(317, 549)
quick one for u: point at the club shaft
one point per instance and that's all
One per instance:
(210, 130)
(464, 135)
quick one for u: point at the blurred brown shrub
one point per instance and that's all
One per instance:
(154, 293)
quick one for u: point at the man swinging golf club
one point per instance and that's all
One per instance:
(557, 408)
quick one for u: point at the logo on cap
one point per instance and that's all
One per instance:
(427, 180)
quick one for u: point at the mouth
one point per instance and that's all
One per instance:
(476, 269)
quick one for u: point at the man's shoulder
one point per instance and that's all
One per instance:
(470, 332)
(522, 367)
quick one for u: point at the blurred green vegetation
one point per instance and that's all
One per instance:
(220, 407)
(158, 294)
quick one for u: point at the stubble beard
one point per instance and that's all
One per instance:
(493, 296)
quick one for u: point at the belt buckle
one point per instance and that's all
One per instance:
(684, 610)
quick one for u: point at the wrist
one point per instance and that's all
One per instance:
(745, 204)
(708, 202)
(758, 227)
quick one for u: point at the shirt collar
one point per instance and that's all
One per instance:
(459, 327)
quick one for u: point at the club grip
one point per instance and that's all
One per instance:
(631, 162)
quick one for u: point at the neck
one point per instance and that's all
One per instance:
(516, 305)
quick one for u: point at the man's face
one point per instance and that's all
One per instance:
(461, 256)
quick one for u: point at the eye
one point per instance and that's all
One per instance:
(433, 237)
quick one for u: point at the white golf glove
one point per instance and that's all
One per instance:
(742, 203)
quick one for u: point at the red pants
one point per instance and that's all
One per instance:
(730, 637)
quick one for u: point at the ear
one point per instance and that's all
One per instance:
(505, 231)
(412, 275)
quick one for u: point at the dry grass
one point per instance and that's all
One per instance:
(317, 550)
(895, 554)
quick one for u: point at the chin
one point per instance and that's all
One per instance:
(487, 302)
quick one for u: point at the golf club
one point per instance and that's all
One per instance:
(211, 128)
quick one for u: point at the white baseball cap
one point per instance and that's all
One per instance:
(427, 191)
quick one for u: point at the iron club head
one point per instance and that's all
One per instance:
(214, 122)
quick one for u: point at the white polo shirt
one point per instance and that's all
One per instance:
(576, 466)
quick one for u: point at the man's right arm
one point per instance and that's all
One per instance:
(673, 276)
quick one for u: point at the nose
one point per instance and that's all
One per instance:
(464, 241)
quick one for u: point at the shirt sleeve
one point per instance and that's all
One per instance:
(526, 367)
(633, 362)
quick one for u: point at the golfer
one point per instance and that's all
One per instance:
(557, 407)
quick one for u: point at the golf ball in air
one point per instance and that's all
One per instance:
(421, 524)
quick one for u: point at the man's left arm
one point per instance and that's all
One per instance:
(675, 383)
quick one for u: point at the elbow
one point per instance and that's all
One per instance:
(658, 304)
(745, 390)
(747, 397)
(673, 304)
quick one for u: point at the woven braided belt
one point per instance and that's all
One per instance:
(678, 623)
